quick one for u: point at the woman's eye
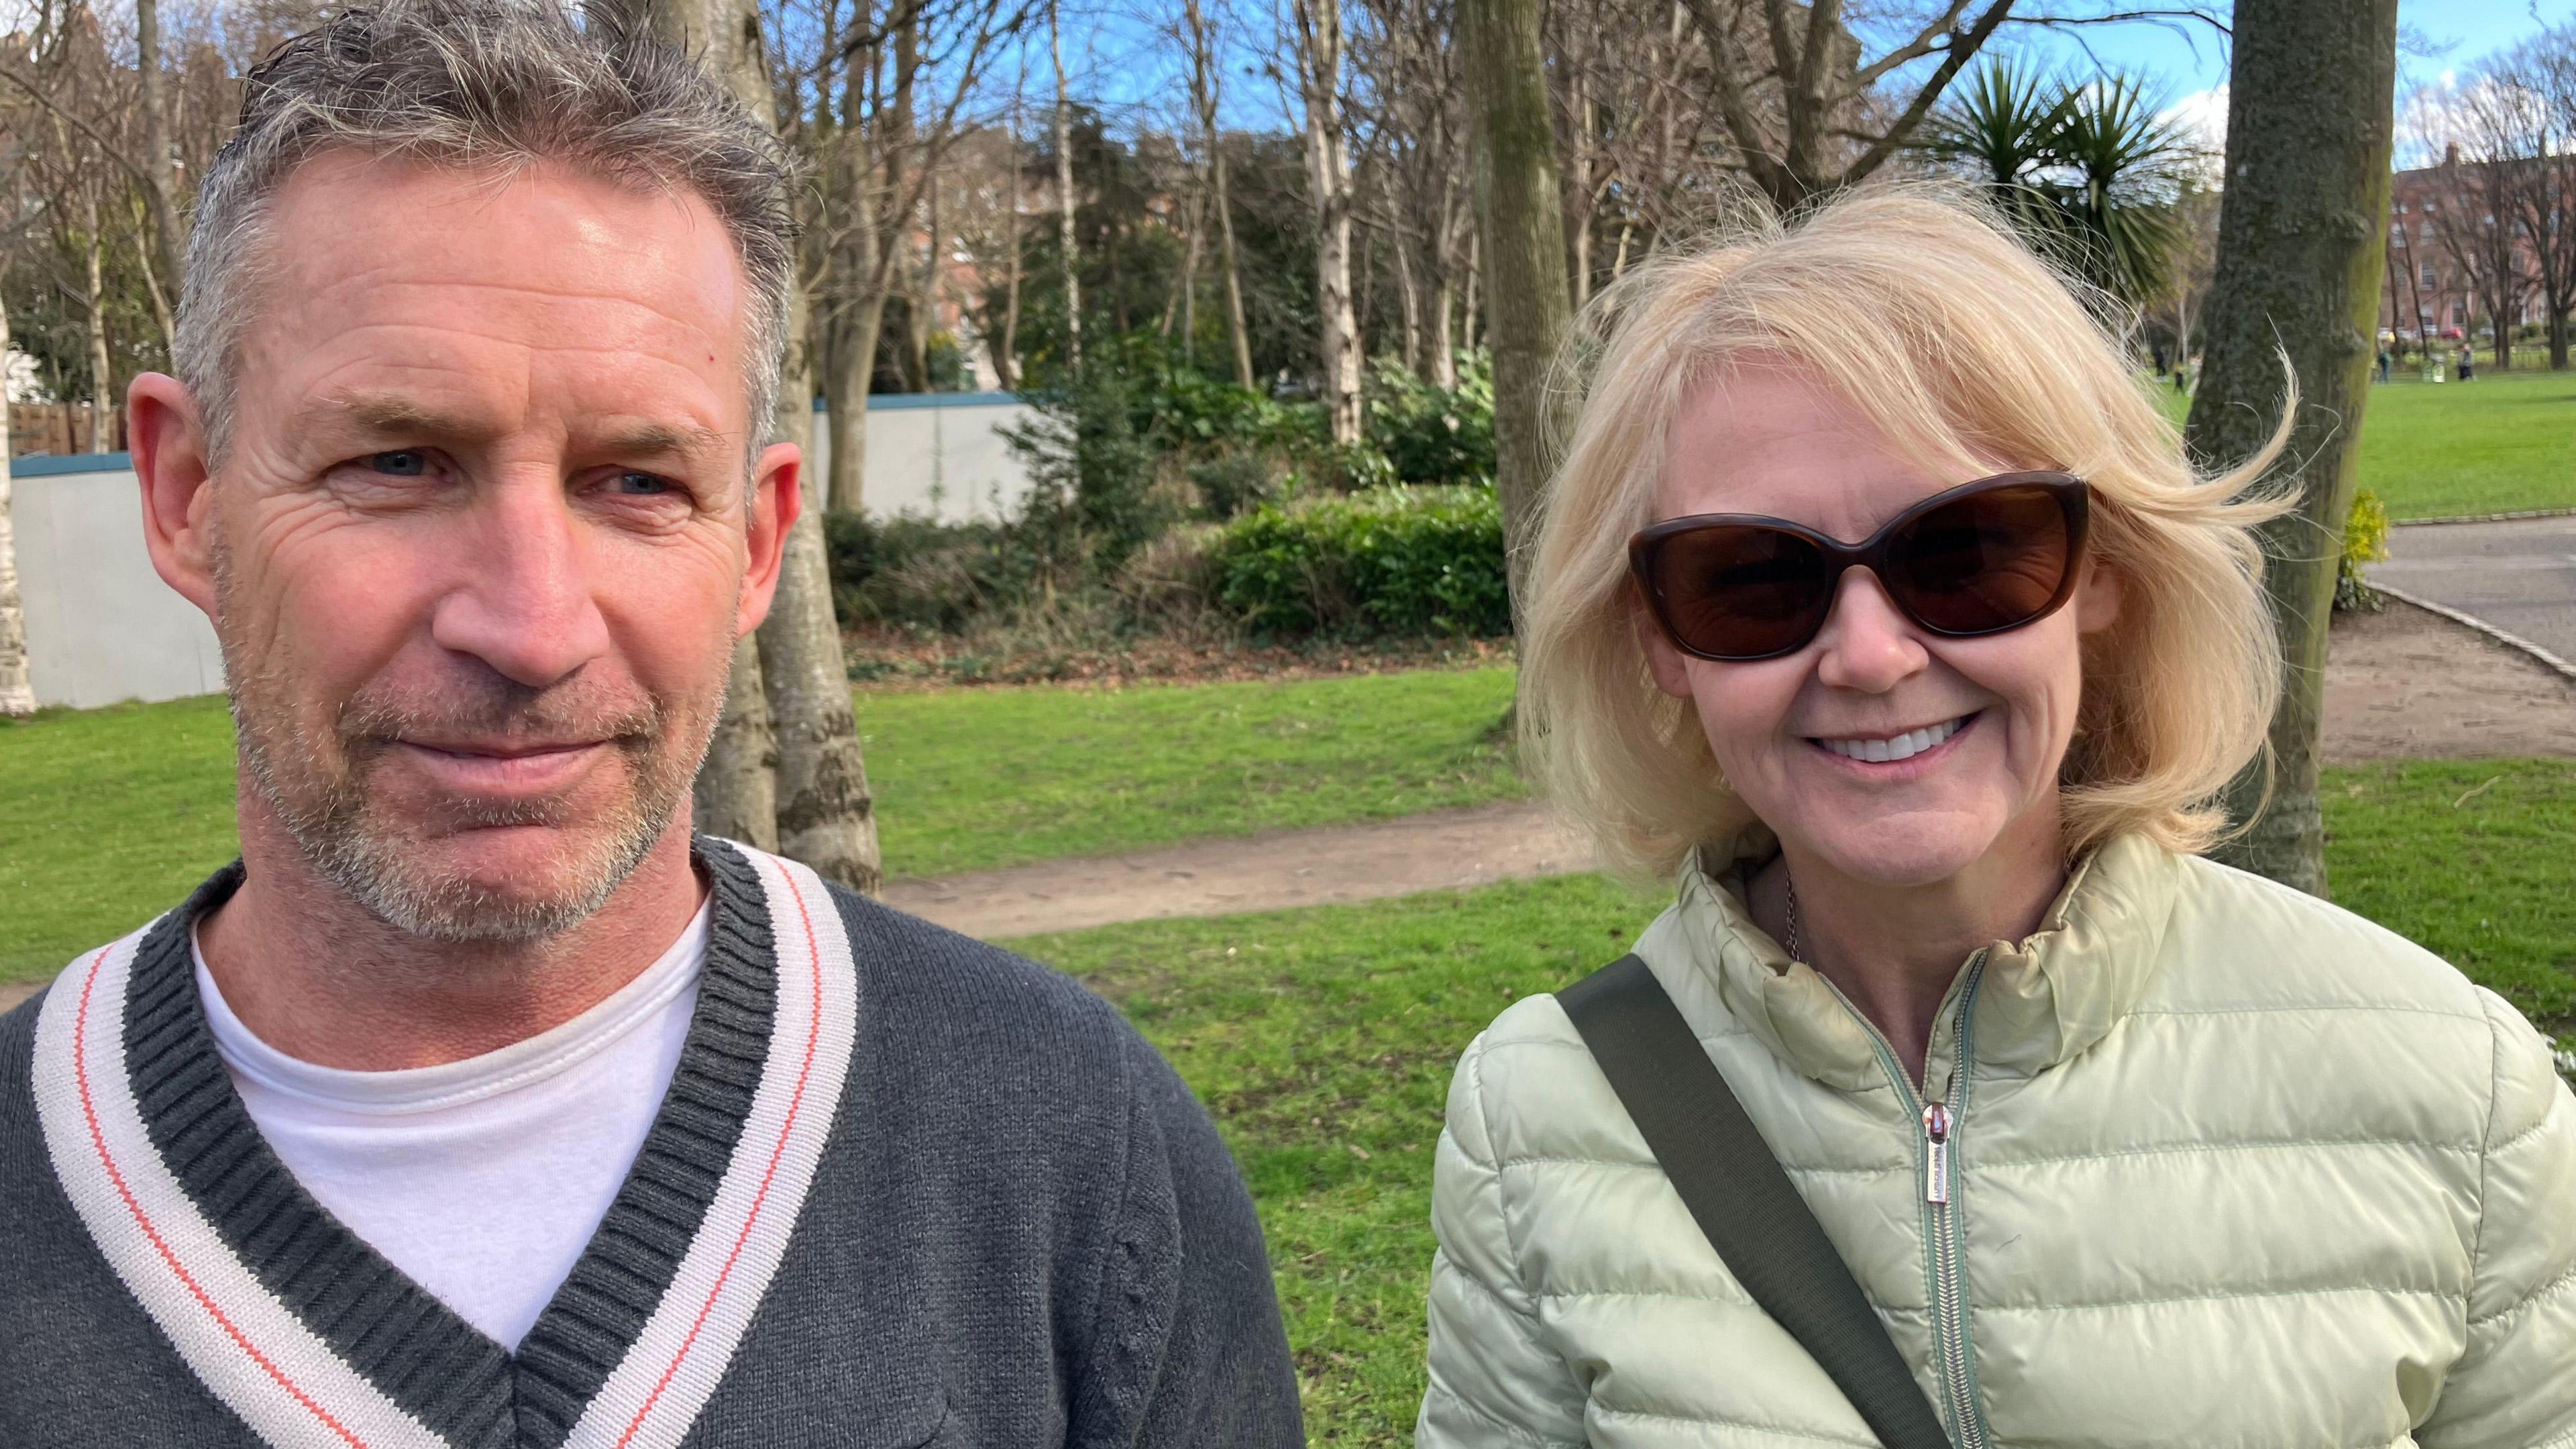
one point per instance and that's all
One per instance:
(404, 463)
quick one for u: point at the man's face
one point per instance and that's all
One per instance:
(479, 549)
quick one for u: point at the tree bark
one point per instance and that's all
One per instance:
(160, 173)
(1064, 199)
(1524, 250)
(17, 696)
(2303, 234)
(737, 791)
(826, 813)
(1234, 323)
(102, 370)
(823, 811)
(1328, 179)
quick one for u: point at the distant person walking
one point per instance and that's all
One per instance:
(2384, 362)
(2468, 364)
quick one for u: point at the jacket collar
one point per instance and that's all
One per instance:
(2040, 1001)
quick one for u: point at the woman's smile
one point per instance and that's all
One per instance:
(1923, 745)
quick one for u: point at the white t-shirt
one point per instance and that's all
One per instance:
(483, 1179)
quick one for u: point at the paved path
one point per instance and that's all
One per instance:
(2519, 575)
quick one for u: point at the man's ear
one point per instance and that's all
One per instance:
(169, 447)
(777, 498)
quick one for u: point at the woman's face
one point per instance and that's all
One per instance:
(1786, 731)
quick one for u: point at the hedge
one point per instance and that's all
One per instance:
(1388, 561)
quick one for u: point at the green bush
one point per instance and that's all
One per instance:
(2365, 541)
(1389, 561)
(1431, 435)
(918, 574)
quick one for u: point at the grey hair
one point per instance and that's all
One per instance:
(479, 84)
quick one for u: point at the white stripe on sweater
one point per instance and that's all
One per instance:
(254, 1353)
(656, 1391)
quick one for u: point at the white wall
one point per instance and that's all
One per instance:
(937, 455)
(101, 626)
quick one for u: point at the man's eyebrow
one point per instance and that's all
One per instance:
(661, 440)
(389, 413)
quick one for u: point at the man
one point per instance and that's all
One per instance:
(480, 1103)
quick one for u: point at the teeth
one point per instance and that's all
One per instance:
(1902, 747)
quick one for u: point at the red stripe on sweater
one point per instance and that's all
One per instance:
(143, 1220)
(795, 1103)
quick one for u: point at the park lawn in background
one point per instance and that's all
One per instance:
(107, 818)
(2501, 444)
(1322, 1040)
(110, 816)
(971, 779)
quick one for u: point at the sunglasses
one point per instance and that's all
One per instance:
(1982, 558)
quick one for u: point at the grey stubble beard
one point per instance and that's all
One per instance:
(316, 784)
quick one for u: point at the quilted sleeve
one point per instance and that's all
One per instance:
(2512, 1385)
(1494, 1380)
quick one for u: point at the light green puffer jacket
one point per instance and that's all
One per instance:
(2231, 1167)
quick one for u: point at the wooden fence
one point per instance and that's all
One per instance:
(63, 428)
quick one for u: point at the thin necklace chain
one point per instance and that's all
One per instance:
(1793, 915)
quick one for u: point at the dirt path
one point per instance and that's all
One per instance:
(2403, 684)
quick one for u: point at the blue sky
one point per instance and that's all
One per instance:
(2436, 38)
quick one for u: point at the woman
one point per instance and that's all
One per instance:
(2217, 1162)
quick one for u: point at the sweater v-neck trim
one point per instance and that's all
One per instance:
(305, 1330)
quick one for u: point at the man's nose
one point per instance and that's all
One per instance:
(524, 599)
(1866, 643)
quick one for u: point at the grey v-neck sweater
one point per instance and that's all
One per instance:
(1009, 1224)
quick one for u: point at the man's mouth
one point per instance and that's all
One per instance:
(1886, 749)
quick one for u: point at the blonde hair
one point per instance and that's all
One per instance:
(1963, 348)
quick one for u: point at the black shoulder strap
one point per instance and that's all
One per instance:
(1736, 1190)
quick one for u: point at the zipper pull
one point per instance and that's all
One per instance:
(1936, 1173)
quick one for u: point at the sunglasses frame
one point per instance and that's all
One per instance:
(2074, 499)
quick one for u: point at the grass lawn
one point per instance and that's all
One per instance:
(109, 815)
(1322, 1040)
(971, 779)
(2500, 444)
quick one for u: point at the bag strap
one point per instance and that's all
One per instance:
(1734, 1187)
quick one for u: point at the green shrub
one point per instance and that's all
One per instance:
(1390, 561)
(1230, 483)
(1431, 435)
(2365, 541)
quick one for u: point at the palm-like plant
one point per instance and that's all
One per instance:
(2086, 170)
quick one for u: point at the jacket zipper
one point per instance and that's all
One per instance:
(1941, 1214)
(1938, 1122)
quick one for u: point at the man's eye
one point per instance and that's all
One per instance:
(639, 485)
(407, 463)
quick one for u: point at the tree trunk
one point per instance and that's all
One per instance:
(17, 697)
(2303, 233)
(1064, 200)
(1524, 247)
(848, 364)
(1328, 179)
(102, 371)
(825, 816)
(1234, 323)
(160, 169)
(1006, 363)
(737, 792)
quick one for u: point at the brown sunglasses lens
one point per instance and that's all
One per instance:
(1987, 562)
(1742, 590)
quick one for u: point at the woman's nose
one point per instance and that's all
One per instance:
(1866, 644)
